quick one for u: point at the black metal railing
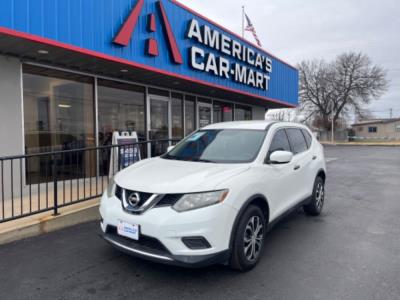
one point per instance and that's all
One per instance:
(42, 182)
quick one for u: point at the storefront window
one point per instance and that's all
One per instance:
(58, 115)
(158, 92)
(204, 112)
(159, 124)
(177, 115)
(121, 108)
(222, 112)
(190, 114)
(242, 113)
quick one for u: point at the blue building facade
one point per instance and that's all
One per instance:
(72, 72)
(94, 24)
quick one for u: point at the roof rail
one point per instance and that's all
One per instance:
(269, 125)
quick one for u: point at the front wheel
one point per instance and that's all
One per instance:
(314, 208)
(249, 239)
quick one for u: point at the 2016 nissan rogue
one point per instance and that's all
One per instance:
(212, 197)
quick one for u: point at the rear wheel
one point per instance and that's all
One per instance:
(249, 239)
(314, 208)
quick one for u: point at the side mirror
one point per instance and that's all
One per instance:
(170, 148)
(280, 157)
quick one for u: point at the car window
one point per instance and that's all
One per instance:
(307, 136)
(279, 142)
(296, 139)
(219, 146)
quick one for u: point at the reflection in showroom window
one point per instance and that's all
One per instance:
(121, 108)
(58, 115)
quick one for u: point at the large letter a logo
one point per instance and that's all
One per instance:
(125, 34)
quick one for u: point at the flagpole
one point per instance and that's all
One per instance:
(242, 21)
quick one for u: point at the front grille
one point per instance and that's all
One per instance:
(145, 243)
(166, 200)
(143, 196)
(118, 192)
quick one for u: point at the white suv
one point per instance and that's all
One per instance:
(212, 197)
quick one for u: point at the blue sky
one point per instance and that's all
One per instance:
(296, 30)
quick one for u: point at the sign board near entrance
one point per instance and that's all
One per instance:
(126, 151)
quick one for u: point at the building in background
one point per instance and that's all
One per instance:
(377, 129)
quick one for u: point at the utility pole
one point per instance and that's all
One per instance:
(332, 125)
(391, 112)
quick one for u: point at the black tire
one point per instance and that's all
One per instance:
(246, 235)
(316, 204)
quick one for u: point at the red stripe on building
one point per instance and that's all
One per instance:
(151, 23)
(152, 47)
(51, 42)
(124, 35)
(176, 55)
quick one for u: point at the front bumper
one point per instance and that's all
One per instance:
(162, 230)
(165, 257)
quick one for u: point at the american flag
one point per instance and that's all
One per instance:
(251, 28)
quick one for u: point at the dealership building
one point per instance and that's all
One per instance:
(73, 72)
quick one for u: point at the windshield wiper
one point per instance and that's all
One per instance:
(173, 157)
(203, 160)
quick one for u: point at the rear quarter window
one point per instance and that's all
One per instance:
(297, 140)
(307, 136)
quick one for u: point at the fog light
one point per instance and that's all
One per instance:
(196, 242)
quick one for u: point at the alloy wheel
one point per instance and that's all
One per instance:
(253, 238)
(319, 196)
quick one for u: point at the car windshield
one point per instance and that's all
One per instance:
(219, 146)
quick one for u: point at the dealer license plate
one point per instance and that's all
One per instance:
(128, 230)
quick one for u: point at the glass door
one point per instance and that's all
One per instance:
(204, 112)
(121, 107)
(159, 124)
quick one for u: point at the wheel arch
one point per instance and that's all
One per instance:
(321, 173)
(258, 200)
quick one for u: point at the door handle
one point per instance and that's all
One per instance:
(296, 167)
(314, 157)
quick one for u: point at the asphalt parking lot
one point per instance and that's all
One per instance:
(352, 251)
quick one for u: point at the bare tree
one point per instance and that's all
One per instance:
(340, 87)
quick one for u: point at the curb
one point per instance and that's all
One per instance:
(50, 223)
(361, 144)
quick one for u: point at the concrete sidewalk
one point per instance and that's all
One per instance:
(36, 197)
(45, 222)
(387, 144)
(41, 197)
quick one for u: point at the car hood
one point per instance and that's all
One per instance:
(164, 176)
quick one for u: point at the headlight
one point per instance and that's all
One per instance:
(198, 200)
(111, 188)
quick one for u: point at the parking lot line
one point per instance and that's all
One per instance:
(331, 159)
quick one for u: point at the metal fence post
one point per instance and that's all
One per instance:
(55, 187)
